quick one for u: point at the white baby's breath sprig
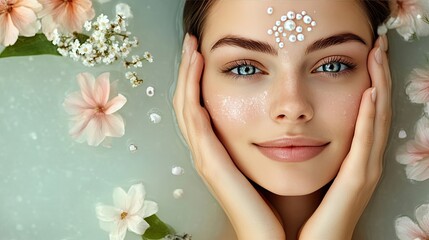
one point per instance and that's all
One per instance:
(108, 42)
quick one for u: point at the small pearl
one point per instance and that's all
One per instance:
(281, 45)
(292, 38)
(150, 91)
(304, 13)
(278, 23)
(300, 37)
(275, 28)
(177, 171)
(299, 29)
(299, 16)
(155, 118)
(178, 193)
(309, 29)
(291, 15)
(290, 25)
(402, 134)
(277, 40)
(132, 148)
(283, 18)
(276, 34)
(307, 19)
(270, 10)
(270, 31)
(313, 23)
(280, 29)
(284, 34)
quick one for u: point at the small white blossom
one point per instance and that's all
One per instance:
(85, 49)
(148, 57)
(103, 22)
(128, 213)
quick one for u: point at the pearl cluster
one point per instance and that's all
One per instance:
(291, 26)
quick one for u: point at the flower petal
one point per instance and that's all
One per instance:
(120, 198)
(115, 104)
(137, 224)
(418, 171)
(135, 198)
(422, 216)
(119, 231)
(87, 84)
(106, 226)
(8, 32)
(94, 131)
(406, 229)
(74, 103)
(78, 129)
(102, 89)
(25, 20)
(107, 213)
(113, 125)
(149, 208)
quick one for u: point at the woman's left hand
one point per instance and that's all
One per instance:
(347, 197)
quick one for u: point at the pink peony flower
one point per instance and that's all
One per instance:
(65, 15)
(18, 17)
(415, 153)
(406, 229)
(93, 115)
(409, 17)
(418, 88)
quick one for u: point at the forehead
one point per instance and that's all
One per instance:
(249, 18)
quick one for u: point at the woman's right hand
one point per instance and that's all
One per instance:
(249, 214)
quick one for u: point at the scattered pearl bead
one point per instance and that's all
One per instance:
(270, 10)
(300, 37)
(177, 171)
(178, 193)
(150, 91)
(292, 38)
(132, 148)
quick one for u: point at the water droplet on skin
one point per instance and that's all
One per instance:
(155, 118)
(177, 171)
(178, 193)
(132, 148)
(402, 134)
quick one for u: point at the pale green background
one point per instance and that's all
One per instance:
(49, 184)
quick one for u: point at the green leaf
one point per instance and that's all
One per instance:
(157, 230)
(27, 46)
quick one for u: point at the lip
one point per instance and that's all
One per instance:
(292, 149)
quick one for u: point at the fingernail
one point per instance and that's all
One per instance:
(185, 44)
(194, 56)
(373, 95)
(378, 56)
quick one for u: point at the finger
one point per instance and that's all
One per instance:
(363, 138)
(381, 81)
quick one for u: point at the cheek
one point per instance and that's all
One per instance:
(234, 110)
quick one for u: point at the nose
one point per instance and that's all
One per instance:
(290, 102)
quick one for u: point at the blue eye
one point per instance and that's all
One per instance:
(332, 67)
(244, 70)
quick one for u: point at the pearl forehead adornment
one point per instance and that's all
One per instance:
(291, 26)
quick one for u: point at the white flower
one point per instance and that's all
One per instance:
(103, 22)
(128, 213)
(85, 49)
(87, 26)
(148, 57)
(409, 18)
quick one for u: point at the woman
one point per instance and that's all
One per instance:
(288, 132)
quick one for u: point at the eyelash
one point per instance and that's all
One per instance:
(242, 63)
(349, 66)
(339, 60)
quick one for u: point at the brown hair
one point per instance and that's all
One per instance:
(195, 13)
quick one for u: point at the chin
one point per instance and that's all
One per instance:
(297, 188)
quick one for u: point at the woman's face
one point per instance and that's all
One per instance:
(285, 115)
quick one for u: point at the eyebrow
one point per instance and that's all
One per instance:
(264, 47)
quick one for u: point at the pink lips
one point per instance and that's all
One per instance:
(291, 149)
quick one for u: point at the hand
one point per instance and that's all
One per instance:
(346, 199)
(251, 217)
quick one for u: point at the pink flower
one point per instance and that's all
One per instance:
(93, 115)
(65, 15)
(406, 229)
(18, 17)
(415, 153)
(418, 88)
(409, 17)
